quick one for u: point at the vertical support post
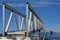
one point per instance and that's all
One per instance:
(31, 25)
(41, 25)
(19, 22)
(38, 28)
(8, 24)
(16, 20)
(22, 23)
(3, 19)
(27, 18)
(30, 21)
(35, 22)
(38, 24)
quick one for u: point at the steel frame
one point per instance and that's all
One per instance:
(33, 22)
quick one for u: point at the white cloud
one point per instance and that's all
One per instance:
(44, 3)
(16, 4)
(34, 3)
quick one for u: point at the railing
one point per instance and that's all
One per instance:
(13, 13)
(31, 20)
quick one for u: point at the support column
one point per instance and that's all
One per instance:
(38, 24)
(35, 22)
(16, 20)
(3, 24)
(27, 18)
(31, 25)
(19, 22)
(30, 21)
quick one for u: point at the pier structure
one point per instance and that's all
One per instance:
(30, 20)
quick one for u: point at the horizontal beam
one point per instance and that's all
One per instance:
(33, 11)
(16, 32)
(13, 10)
(19, 13)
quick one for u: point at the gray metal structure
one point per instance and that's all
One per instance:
(33, 22)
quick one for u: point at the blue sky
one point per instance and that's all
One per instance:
(47, 10)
